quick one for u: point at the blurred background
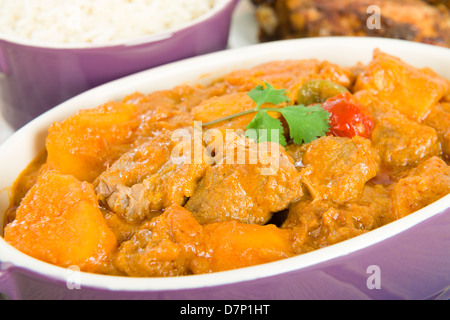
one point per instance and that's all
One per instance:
(53, 50)
(414, 20)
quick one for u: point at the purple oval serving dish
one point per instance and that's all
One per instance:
(36, 77)
(407, 259)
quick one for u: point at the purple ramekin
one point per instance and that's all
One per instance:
(34, 78)
(412, 266)
(408, 259)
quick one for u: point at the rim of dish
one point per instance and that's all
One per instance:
(17, 259)
(267, 270)
(219, 6)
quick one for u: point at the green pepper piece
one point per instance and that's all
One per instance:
(318, 91)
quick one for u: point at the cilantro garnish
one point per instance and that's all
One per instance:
(305, 123)
(263, 121)
(269, 94)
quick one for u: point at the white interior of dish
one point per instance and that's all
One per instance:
(17, 152)
(219, 6)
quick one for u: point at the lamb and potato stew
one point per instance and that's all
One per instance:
(354, 149)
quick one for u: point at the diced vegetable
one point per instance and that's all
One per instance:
(349, 118)
(412, 91)
(83, 144)
(318, 91)
(59, 221)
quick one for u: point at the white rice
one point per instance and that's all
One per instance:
(95, 21)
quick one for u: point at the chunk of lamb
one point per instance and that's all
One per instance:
(320, 223)
(175, 244)
(421, 186)
(439, 119)
(247, 190)
(162, 247)
(336, 168)
(149, 178)
(404, 143)
(401, 142)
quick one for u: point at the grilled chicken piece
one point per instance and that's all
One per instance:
(413, 20)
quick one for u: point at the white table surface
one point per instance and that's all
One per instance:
(243, 32)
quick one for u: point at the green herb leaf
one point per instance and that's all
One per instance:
(306, 124)
(269, 94)
(265, 128)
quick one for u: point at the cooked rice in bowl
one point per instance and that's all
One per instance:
(95, 21)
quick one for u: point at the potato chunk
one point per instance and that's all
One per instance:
(232, 245)
(59, 222)
(421, 187)
(219, 107)
(83, 145)
(404, 143)
(411, 91)
(336, 168)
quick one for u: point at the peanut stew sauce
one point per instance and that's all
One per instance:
(106, 195)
